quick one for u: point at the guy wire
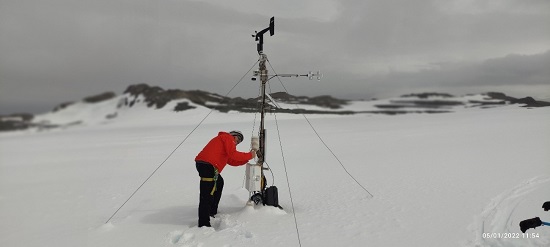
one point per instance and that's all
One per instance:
(173, 151)
(286, 172)
(287, 181)
(321, 139)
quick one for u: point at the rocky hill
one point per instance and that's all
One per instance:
(108, 105)
(158, 98)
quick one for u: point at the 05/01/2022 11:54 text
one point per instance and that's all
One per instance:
(495, 235)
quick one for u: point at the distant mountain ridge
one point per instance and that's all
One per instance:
(158, 97)
(177, 100)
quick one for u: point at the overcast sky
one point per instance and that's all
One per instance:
(63, 50)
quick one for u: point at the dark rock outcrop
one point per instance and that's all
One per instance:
(182, 106)
(501, 96)
(420, 103)
(62, 106)
(427, 95)
(528, 101)
(326, 101)
(7, 125)
(158, 97)
(99, 97)
(17, 121)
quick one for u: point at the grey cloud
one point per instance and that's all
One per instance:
(512, 71)
(420, 28)
(62, 50)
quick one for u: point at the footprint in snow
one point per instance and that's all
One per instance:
(224, 227)
(190, 237)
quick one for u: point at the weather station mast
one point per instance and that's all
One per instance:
(255, 179)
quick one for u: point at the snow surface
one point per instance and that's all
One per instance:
(437, 180)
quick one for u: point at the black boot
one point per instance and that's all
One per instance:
(205, 225)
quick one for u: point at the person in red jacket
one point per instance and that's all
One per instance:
(210, 162)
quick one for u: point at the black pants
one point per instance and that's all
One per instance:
(208, 203)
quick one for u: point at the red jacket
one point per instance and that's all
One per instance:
(222, 150)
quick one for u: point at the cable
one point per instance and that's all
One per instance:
(321, 139)
(272, 175)
(173, 151)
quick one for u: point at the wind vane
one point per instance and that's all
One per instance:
(260, 36)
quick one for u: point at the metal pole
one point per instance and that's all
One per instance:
(263, 79)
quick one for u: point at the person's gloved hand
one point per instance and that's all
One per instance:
(530, 223)
(546, 206)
